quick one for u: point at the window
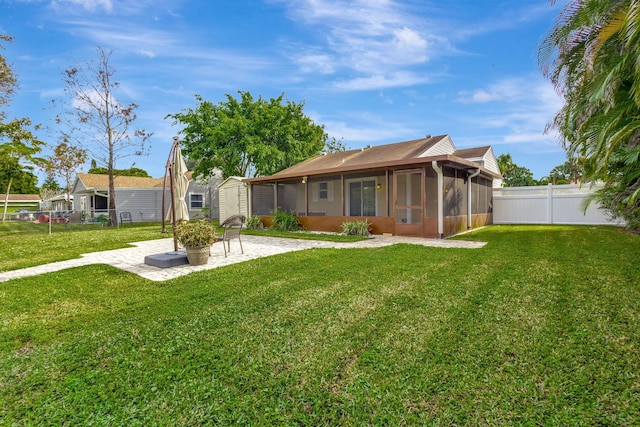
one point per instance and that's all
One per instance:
(196, 200)
(323, 190)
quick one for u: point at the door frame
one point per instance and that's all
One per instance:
(415, 228)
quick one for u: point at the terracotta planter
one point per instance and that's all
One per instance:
(198, 256)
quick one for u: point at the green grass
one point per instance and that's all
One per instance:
(330, 237)
(540, 327)
(26, 244)
(29, 244)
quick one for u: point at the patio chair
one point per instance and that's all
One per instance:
(125, 217)
(232, 229)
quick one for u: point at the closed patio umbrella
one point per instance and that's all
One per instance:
(177, 169)
(181, 184)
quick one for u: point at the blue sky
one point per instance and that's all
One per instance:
(371, 71)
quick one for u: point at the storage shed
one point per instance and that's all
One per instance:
(234, 197)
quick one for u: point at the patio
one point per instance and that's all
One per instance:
(132, 259)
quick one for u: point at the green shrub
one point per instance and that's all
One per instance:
(356, 228)
(195, 234)
(284, 221)
(254, 223)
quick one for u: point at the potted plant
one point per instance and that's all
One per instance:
(196, 237)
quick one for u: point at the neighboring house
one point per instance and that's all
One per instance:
(234, 197)
(202, 197)
(423, 187)
(16, 202)
(142, 197)
(57, 203)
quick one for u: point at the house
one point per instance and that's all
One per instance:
(202, 197)
(425, 187)
(16, 202)
(234, 197)
(142, 197)
(57, 203)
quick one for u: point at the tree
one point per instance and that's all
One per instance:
(591, 57)
(121, 172)
(97, 120)
(570, 172)
(7, 78)
(50, 184)
(18, 144)
(19, 179)
(64, 162)
(333, 145)
(514, 175)
(247, 137)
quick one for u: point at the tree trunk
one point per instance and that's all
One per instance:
(6, 200)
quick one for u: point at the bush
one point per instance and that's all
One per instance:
(356, 228)
(284, 221)
(254, 223)
(195, 234)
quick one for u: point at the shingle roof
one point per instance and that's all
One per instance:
(472, 153)
(91, 180)
(408, 153)
(354, 158)
(22, 197)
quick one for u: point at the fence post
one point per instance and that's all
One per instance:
(550, 203)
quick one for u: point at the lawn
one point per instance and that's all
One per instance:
(540, 327)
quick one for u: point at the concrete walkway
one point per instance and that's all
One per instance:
(132, 259)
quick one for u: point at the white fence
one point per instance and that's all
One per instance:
(552, 204)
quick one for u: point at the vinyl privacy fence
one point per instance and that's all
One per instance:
(549, 204)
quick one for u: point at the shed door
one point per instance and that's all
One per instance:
(232, 197)
(408, 194)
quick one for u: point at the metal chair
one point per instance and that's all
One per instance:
(232, 230)
(125, 217)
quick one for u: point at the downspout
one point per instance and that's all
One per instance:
(469, 178)
(434, 165)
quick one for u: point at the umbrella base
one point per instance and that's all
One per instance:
(167, 259)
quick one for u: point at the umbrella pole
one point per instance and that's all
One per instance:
(173, 208)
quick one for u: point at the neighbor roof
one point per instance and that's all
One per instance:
(91, 180)
(22, 197)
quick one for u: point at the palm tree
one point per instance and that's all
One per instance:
(591, 57)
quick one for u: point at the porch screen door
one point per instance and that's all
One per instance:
(409, 193)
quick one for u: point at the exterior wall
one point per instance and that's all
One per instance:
(210, 199)
(444, 146)
(331, 205)
(325, 212)
(559, 204)
(145, 204)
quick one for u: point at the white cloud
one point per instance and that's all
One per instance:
(380, 40)
(317, 63)
(90, 5)
(379, 81)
